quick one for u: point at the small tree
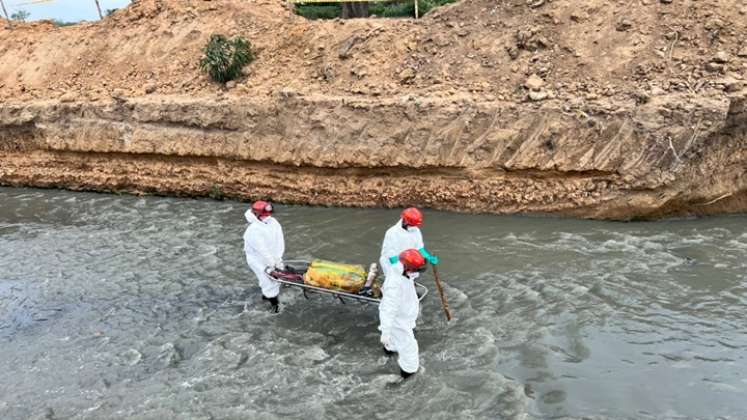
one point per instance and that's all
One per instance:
(110, 12)
(224, 58)
(20, 15)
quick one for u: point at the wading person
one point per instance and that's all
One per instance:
(399, 310)
(404, 235)
(264, 247)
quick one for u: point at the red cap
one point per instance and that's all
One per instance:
(412, 216)
(412, 260)
(262, 209)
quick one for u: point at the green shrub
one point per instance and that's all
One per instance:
(223, 58)
(319, 11)
(394, 10)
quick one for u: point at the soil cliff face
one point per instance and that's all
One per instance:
(587, 108)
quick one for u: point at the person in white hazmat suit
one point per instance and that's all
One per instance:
(399, 309)
(264, 246)
(402, 236)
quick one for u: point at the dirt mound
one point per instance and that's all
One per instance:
(588, 48)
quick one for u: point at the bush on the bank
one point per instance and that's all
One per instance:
(223, 58)
(319, 11)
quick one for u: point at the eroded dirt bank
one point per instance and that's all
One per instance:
(493, 157)
(509, 110)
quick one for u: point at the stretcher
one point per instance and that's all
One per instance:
(293, 276)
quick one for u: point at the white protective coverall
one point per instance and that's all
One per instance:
(264, 247)
(398, 312)
(396, 241)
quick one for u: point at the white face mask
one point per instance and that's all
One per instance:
(411, 229)
(413, 276)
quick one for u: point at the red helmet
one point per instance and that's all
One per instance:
(412, 260)
(412, 216)
(262, 209)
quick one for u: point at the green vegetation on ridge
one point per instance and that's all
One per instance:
(392, 9)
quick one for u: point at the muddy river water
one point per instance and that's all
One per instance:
(115, 307)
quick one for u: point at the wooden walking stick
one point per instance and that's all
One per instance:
(444, 302)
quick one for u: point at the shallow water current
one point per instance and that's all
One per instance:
(119, 307)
